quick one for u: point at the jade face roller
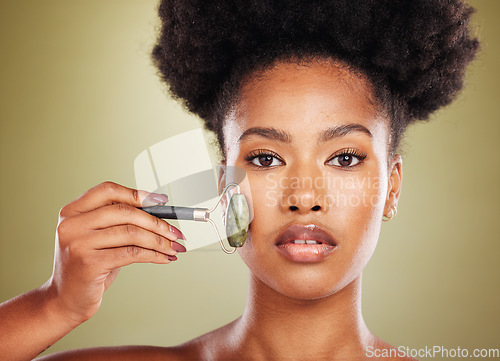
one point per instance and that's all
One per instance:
(237, 218)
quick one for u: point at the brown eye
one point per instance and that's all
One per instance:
(266, 160)
(263, 158)
(345, 160)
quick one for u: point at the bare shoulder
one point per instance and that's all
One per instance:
(200, 348)
(195, 349)
(124, 353)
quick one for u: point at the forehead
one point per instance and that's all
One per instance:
(303, 99)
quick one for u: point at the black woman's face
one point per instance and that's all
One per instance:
(314, 149)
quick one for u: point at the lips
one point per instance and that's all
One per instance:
(305, 243)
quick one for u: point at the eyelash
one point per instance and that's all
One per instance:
(343, 152)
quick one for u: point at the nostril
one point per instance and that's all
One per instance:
(316, 208)
(293, 208)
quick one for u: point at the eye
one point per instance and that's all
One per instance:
(263, 159)
(347, 158)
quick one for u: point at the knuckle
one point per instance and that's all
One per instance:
(160, 240)
(130, 230)
(124, 208)
(133, 251)
(64, 212)
(135, 196)
(157, 222)
(63, 227)
(109, 187)
(114, 231)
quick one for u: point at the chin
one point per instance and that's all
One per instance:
(310, 284)
(301, 282)
(306, 292)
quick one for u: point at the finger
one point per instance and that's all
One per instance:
(108, 193)
(130, 235)
(124, 256)
(122, 214)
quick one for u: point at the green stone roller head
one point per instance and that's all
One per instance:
(237, 218)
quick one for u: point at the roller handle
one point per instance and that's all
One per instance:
(171, 212)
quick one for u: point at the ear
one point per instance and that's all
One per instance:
(221, 175)
(394, 183)
(221, 182)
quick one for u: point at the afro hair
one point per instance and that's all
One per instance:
(414, 52)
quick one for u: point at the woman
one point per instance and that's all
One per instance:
(311, 100)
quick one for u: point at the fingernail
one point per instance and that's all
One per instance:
(176, 232)
(160, 198)
(172, 258)
(154, 199)
(178, 247)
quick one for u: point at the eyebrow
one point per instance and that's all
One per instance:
(270, 133)
(342, 130)
(284, 137)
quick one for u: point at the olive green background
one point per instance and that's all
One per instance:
(79, 99)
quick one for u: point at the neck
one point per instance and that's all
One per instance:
(276, 327)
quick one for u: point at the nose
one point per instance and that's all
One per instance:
(303, 191)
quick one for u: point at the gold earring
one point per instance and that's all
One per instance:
(392, 213)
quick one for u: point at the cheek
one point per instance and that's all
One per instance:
(266, 223)
(359, 207)
(361, 199)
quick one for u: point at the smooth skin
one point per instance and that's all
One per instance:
(295, 311)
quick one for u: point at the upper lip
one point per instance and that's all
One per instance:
(309, 231)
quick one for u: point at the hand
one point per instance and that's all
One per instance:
(96, 235)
